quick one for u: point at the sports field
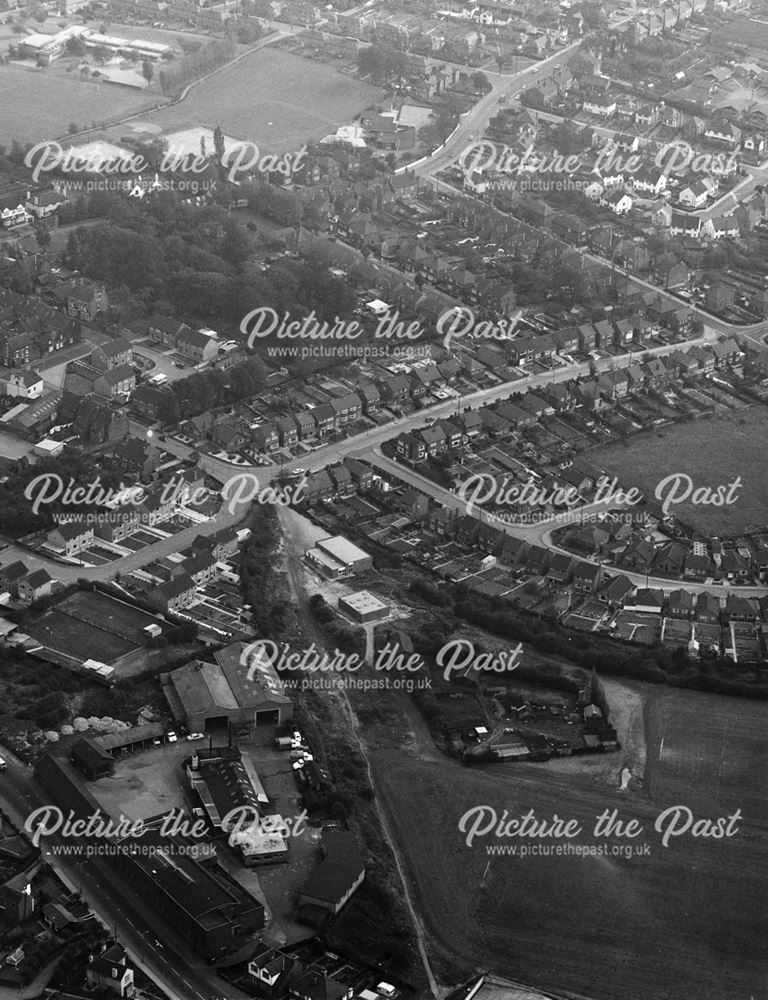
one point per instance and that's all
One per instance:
(687, 920)
(75, 638)
(88, 624)
(712, 452)
(272, 98)
(39, 104)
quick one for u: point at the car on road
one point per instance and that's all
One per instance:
(171, 737)
(3, 763)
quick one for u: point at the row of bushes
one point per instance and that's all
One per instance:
(656, 664)
(374, 926)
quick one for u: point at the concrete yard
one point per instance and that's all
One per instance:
(146, 783)
(151, 782)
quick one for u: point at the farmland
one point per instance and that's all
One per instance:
(686, 920)
(711, 452)
(275, 99)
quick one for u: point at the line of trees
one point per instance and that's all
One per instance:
(197, 64)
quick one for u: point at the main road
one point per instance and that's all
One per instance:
(363, 445)
(172, 964)
(473, 123)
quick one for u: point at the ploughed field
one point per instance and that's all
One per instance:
(686, 920)
(712, 452)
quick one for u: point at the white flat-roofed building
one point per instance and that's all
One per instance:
(378, 308)
(151, 50)
(263, 842)
(49, 46)
(364, 607)
(338, 557)
(49, 448)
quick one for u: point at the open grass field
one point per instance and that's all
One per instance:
(712, 756)
(75, 638)
(106, 613)
(272, 98)
(37, 105)
(712, 452)
(688, 920)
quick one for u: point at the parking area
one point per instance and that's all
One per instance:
(145, 783)
(281, 883)
(151, 782)
(160, 362)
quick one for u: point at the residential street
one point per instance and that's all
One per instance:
(364, 446)
(473, 124)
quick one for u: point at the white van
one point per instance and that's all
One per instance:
(386, 990)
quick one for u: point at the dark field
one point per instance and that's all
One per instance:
(112, 615)
(689, 920)
(76, 638)
(87, 624)
(712, 452)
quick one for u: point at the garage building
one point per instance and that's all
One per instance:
(212, 697)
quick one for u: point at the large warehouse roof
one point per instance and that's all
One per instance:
(224, 685)
(342, 549)
(242, 659)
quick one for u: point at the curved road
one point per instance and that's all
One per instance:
(474, 123)
(363, 446)
(540, 534)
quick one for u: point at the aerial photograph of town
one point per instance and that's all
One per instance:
(384, 499)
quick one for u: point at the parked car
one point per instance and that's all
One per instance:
(171, 737)
(195, 736)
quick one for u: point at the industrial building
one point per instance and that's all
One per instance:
(202, 903)
(364, 607)
(210, 910)
(92, 760)
(335, 557)
(335, 879)
(129, 740)
(262, 843)
(229, 694)
(223, 780)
